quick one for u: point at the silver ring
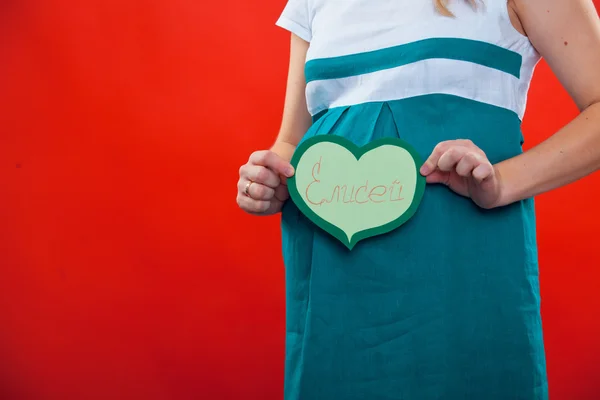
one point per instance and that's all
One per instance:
(246, 190)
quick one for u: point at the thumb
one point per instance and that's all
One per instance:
(439, 177)
(274, 162)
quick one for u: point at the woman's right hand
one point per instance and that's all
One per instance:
(262, 188)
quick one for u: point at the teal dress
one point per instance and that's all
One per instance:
(447, 306)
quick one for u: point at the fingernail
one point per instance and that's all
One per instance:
(289, 172)
(425, 169)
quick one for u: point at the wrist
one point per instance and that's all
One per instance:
(283, 149)
(508, 191)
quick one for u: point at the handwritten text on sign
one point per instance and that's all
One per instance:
(356, 193)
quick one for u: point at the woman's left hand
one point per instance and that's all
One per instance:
(464, 168)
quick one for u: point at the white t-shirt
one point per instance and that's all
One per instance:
(383, 50)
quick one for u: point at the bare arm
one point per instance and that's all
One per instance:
(567, 35)
(296, 118)
(262, 188)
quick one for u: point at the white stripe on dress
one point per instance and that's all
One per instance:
(432, 76)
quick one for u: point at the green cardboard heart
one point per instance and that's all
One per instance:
(354, 192)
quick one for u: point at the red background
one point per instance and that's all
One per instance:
(126, 270)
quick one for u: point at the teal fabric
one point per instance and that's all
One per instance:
(474, 51)
(445, 307)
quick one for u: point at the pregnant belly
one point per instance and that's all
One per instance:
(424, 122)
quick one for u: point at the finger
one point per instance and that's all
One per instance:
(451, 158)
(260, 174)
(283, 180)
(252, 206)
(467, 164)
(272, 161)
(466, 143)
(483, 172)
(256, 190)
(431, 163)
(282, 193)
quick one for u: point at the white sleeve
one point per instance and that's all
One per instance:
(296, 19)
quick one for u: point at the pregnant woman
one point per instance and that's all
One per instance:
(447, 306)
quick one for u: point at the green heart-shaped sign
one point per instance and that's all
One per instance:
(356, 192)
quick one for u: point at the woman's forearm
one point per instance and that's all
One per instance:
(283, 149)
(570, 154)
